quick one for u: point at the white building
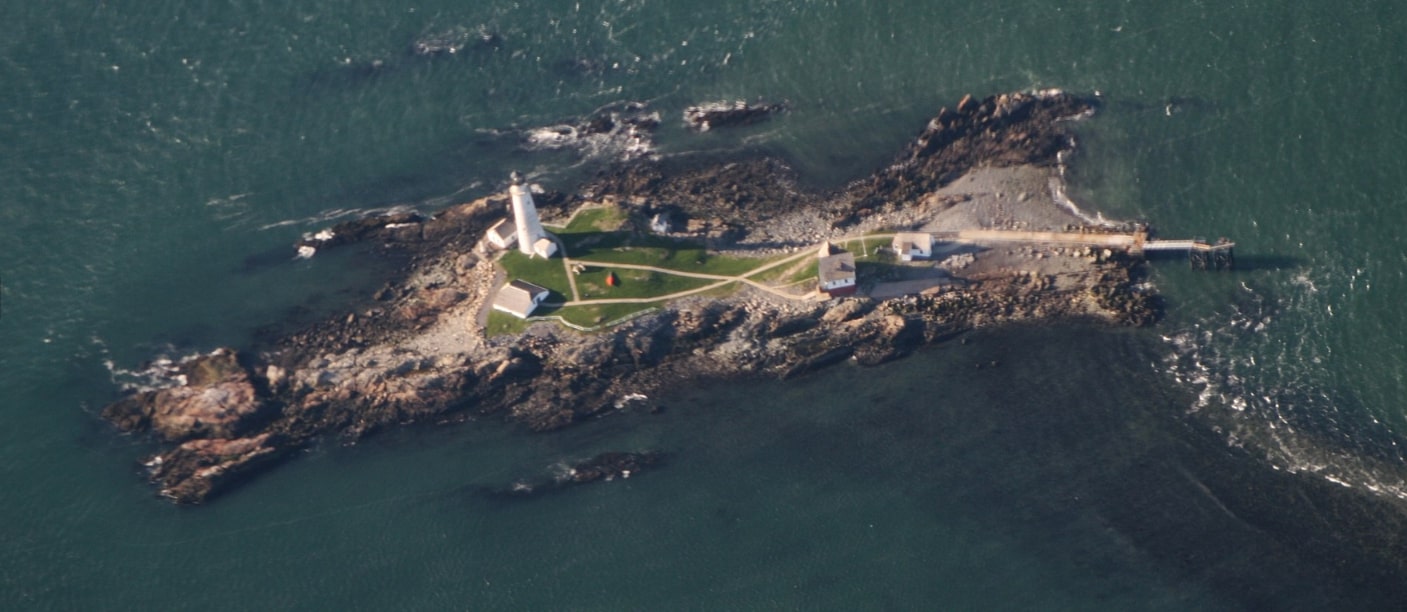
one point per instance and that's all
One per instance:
(835, 272)
(913, 245)
(519, 298)
(503, 234)
(544, 248)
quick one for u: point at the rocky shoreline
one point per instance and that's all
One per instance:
(416, 350)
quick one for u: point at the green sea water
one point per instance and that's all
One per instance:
(157, 160)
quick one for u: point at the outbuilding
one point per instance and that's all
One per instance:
(503, 234)
(835, 271)
(544, 248)
(913, 245)
(519, 298)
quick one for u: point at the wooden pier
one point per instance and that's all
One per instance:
(1203, 255)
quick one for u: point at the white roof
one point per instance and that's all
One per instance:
(545, 247)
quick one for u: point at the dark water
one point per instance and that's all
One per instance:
(1243, 454)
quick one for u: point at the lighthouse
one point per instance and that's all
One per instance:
(531, 239)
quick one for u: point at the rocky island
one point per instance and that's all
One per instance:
(662, 272)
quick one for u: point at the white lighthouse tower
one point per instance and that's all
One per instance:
(531, 239)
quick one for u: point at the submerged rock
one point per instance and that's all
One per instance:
(394, 225)
(608, 466)
(707, 116)
(604, 467)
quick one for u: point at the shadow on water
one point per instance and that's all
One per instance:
(1258, 262)
(276, 256)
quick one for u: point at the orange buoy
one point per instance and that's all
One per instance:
(612, 280)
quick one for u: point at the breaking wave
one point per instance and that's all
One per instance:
(162, 372)
(1256, 384)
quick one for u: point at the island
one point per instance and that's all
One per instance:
(545, 307)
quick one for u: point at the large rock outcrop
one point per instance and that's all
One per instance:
(214, 398)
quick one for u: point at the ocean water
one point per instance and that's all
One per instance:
(158, 160)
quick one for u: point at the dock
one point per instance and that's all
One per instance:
(1202, 255)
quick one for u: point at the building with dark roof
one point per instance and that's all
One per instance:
(835, 271)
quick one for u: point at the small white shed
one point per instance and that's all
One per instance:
(503, 234)
(913, 245)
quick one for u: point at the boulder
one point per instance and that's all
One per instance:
(607, 466)
(193, 471)
(966, 104)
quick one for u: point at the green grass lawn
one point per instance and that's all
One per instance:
(865, 249)
(632, 283)
(684, 258)
(658, 251)
(811, 270)
(597, 314)
(592, 236)
(877, 256)
(500, 323)
(648, 248)
(548, 273)
(596, 220)
(728, 265)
